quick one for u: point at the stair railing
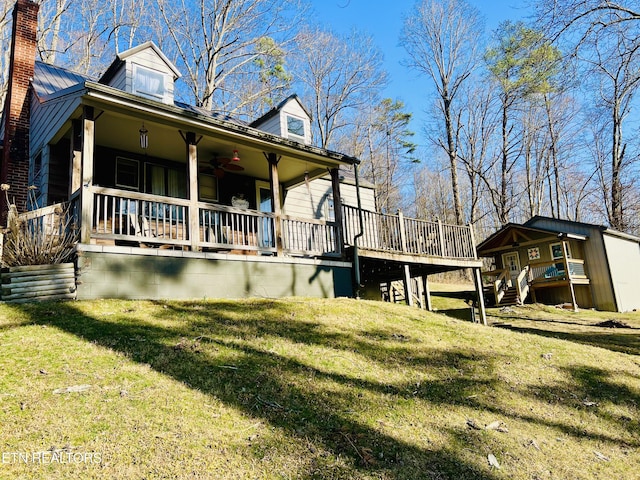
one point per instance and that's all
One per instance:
(500, 285)
(522, 284)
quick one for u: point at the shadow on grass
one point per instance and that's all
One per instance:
(617, 340)
(217, 354)
(221, 352)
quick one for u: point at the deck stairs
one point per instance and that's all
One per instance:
(510, 297)
(394, 292)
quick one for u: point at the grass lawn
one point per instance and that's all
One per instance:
(315, 389)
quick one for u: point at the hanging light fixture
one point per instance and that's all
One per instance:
(144, 137)
(236, 157)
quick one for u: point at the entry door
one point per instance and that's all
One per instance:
(512, 262)
(266, 229)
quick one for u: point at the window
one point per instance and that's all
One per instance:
(331, 211)
(295, 127)
(165, 181)
(148, 83)
(127, 173)
(208, 188)
(557, 253)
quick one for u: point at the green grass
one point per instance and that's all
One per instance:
(304, 389)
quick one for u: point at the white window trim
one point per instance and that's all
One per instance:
(568, 251)
(136, 68)
(294, 136)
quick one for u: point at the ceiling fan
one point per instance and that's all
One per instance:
(219, 165)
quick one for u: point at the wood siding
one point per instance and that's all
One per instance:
(624, 264)
(48, 118)
(312, 201)
(595, 258)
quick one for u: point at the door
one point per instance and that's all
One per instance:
(266, 227)
(511, 261)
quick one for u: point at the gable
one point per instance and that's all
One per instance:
(289, 120)
(145, 71)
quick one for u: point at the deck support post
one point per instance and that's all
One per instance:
(427, 293)
(192, 169)
(406, 281)
(274, 183)
(337, 210)
(87, 142)
(477, 277)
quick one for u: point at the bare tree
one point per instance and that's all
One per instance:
(522, 63)
(441, 38)
(604, 36)
(217, 41)
(477, 123)
(339, 76)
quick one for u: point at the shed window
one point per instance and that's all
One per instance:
(557, 253)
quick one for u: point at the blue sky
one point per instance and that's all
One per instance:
(382, 19)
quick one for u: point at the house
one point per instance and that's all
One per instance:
(173, 201)
(557, 261)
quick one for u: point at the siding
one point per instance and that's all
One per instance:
(595, 259)
(48, 118)
(311, 202)
(272, 126)
(624, 263)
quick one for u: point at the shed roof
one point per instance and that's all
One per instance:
(514, 234)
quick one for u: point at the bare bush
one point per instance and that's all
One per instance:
(40, 237)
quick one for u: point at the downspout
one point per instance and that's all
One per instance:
(356, 259)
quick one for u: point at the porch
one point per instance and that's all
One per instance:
(562, 273)
(152, 221)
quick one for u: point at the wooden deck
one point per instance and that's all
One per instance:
(130, 218)
(389, 242)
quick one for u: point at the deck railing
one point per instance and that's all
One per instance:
(558, 269)
(157, 220)
(304, 236)
(152, 219)
(397, 234)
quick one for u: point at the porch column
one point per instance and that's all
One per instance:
(406, 281)
(87, 142)
(75, 157)
(192, 172)
(337, 210)
(477, 277)
(274, 183)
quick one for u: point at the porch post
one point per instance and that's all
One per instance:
(477, 276)
(274, 184)
(337, 210)
(87, 142)
(192, 172)
(406, 281)
(75, 157)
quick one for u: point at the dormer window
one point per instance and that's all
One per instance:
(295, 128)
(149, 83)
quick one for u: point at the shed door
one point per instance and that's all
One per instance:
(512, 262)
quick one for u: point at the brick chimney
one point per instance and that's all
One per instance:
(14, 169)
